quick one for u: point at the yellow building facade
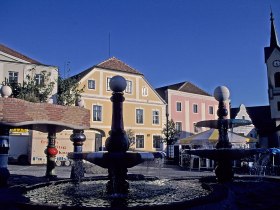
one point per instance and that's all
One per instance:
(144, 110)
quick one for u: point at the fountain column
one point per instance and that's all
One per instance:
(117, 143)
(51, 152)
(223, 170)
(4, 153)
(78, 137)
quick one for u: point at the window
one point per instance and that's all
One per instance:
(139, 141)
(144, 91)
(108, 84)
(128, 86)
(139, 116)
(13, 77)
(178, 106)
(39, 79)
(156, 117)
(156, 142)
(195, 108)
(277, 79)
(91, 84)
(97, 113)
(178, 126)
(211, 110)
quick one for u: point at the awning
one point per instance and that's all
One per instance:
(211, 137)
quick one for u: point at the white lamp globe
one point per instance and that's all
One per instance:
(221, 93)
(117, 83)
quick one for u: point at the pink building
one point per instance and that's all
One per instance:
(188, 104)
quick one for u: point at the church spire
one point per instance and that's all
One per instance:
(273, 35)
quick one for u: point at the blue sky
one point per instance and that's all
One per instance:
(209, 43)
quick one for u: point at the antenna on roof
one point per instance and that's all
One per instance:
(109, 44)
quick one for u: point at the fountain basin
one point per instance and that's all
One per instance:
(124, 159)
(143, 194)
(224, 153)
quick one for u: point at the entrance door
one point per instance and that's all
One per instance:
(98, 142)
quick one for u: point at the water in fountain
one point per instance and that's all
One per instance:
(93, 193)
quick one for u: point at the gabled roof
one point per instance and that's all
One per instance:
(260, 116)
(187, 87)
(118, 65)
(111, 64)
(16, 54)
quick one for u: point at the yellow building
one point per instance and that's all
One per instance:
(144, 109)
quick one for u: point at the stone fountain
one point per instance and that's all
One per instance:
(117, 158)
(224, 154)
(117, 190)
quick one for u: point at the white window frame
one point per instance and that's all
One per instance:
(128, 88)
(93, 113)
(195, 108)
(144, 91)
(39, 79)
(211, 109)
(136, 116)
(90, 86)
(108, 83)
(177, 103)
(160, 143)
(14, 74)
(155, 117)
(136, 142)
(176, 125)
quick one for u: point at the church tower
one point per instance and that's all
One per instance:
(272, 60)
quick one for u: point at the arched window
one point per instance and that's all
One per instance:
(277, 79)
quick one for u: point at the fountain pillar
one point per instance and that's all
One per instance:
(4, 153)
(223, 170)
(117, 143)
(51, 152)
(78, 137)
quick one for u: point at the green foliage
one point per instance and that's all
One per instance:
(170, 133)
(130, 136)
(68, 91)
(34, 90)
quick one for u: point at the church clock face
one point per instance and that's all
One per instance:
(276, 63)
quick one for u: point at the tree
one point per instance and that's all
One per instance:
(35, 88)
(170, 132)
(130, 136)
(171, 135)
(68, 91)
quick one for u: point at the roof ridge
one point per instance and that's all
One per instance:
(119, 65)
(187, 82)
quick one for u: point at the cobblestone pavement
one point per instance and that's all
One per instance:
(258, 193)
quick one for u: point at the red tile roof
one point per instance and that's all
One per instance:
(14, 53)
(187, 87)
(116, 64)
(111, 64)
